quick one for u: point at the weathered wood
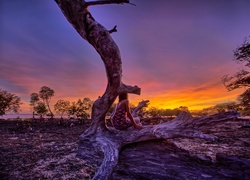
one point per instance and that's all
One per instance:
(92, 3)
(98, 142)
(107, 143)
(77, 14)
(143, 103)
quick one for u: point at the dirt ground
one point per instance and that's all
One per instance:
(233, 140)
(41, 150)
(47, 149)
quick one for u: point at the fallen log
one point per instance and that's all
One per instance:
(106, 145)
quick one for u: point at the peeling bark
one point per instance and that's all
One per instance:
(98, 142)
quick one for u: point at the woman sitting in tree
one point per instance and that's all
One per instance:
(122, 118)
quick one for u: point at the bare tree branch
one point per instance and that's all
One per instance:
(113, 30)
(241, 78)
(93, 3)
(139, 107)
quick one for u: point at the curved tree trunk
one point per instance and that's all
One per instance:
(98, 143)
(76, 11)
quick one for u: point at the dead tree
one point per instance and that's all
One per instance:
(97, 143)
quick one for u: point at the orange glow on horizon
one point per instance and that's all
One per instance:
(193, 100)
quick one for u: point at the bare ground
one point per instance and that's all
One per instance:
(47, 150)
(41, 150)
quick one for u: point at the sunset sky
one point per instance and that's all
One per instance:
(175, 50)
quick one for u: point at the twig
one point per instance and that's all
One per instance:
(113, 30)
(92, 3)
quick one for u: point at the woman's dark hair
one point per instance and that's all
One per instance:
(123, 96)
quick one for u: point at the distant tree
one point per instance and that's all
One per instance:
(176, 111)
(221, 107)
(198, 113)
(159, 112)
(209, 111)
(72, 109)
(183, 108)
(83, 108)
(162, 112)
(34, 99)
(62, 107)
(9, 102)
(244, 100)
(170, 112)
(242, 53)
(45, 94)
(41, 109)
(241, 78)
(152, 112)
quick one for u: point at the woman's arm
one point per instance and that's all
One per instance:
(131, 117)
